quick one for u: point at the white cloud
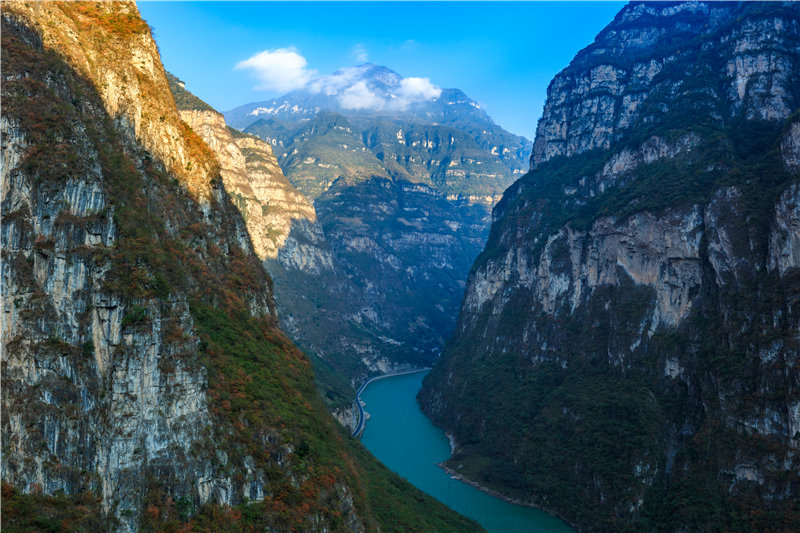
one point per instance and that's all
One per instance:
(413, 90)
(282, 69)
(334, 83)
(360, 53)
(359, 96)
(417, 89)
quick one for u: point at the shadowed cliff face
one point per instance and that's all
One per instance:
(145, 384)
(103, 386)
(627, 346)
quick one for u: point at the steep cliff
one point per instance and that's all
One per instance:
(145, 384)
(268, 202)
(627, 349)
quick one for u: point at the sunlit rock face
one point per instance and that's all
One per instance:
(597, 99)
(630, 333)
(250, 172)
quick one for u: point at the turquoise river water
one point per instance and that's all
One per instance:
(403, 439)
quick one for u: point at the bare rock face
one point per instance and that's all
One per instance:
(790, 146)
(594, 102)
(629, 333)
(661, 253)
(784, 239)
(268, 202)
(129, 72)
(95, 397)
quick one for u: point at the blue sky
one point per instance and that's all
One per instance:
(502, 54)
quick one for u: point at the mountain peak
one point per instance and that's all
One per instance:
(372, 88)
(366, 90)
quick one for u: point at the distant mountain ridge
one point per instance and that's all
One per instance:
(384, 94)
(402, 128)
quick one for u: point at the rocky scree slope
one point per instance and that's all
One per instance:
(145, 384)
(627, 351)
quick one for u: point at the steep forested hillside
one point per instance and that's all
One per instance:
(627, 349)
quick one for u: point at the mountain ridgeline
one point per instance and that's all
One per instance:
(438, 137)
(627, 351)
(145, 383)
(402, 184)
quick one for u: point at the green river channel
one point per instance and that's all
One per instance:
(403, 439)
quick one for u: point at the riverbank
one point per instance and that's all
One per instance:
(363, 415)
(515, 501)
(407, 442)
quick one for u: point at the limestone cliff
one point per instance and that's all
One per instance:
(122, 57)
(627, 349)
(250, 172)
(145, 384)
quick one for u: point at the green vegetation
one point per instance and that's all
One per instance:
(23, 513)
(583, 410)
(170, 253)
(185, 100)
(93, 17)
(591, 435)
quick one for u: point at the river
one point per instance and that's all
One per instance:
(403, 439)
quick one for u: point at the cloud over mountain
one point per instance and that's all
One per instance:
(357, 88)
(414, 90)
(360, 54)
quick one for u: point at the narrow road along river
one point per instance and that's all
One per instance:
(403, 439)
